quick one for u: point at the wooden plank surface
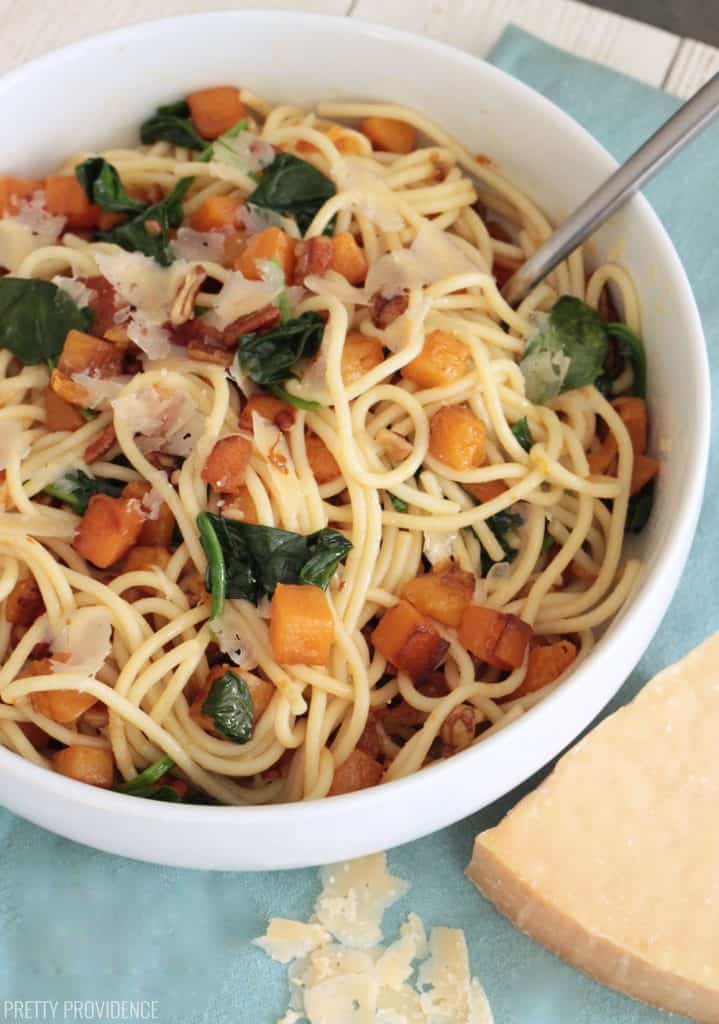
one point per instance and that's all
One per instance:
(31, 27)
(628, 46)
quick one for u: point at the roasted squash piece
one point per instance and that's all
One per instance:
(216, 213)
(389, 134)
(214, 111)
(360, 354)
(443, 594)
(495, 637)
(322, 462)
(226, 466)
(108, 529)
(301, 627)
(545, 664)
(24, 603)
(457, 437)
(444, 358)
(348, 259)
(92, 765)
(65, 197)
(359, 771)
(271, 244)
(408, 640)
(274, 409)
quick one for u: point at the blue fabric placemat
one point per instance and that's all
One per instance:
(80, 925)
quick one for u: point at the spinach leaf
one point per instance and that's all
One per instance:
(308, 404)
(567, 353)
(294, 188)
(103, 186)
(144, 783)
(215, 577)
(229, 705)
(149, 230)
(76, 488)
(523, 434)
(632, 349)
(397, 503)
(172, 123)
(269, 358)
(639, 509)
(326, 550)
(248, 561)
(226, 153)
(501, 523)
(35, 317)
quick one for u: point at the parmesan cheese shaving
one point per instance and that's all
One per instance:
(166, 420)
(100, 391)
(84, 641)
(31, 228)
(253, 219)
(240, 296)
(198, 245)
(437, 547)
(358, 982)
(78, 291)
(375, 199)
(230, 636)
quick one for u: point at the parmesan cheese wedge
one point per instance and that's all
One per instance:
(613, 861)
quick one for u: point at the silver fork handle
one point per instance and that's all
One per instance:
(658, 150)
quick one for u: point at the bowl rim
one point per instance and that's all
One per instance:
(656, 588)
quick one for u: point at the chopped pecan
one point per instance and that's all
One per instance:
(312, 256)
(183, 306)
(261, 320)
(386, 310)
(205, 352)
(100, 445)
(457, 729)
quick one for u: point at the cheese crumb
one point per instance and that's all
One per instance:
(355, 980)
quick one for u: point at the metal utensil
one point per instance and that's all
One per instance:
(667, 141)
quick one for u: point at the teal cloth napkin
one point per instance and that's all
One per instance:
(80, 925)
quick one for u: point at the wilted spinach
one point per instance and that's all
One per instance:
(103, 186)
(248, 561)
(269, 359)
(523, 434)
(294, 188)
(76, 488)
(148, 231)
(146, 783)
(35, 317)
(172, 123)
(229, 705)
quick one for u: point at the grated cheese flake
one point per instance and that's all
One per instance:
(358, 982)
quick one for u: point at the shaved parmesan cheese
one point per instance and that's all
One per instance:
(357, 983)
(245, 152)
(166, 420)
(153, 339)
(287, 940)
(78, 291)
(254, 219)
(152, 502)
(444, 978)
(31, 228)
(228, 632)
(350, 998)
(100, 391)
(374, 198)
(437, 547)
(240, 296)
(395, 965)
(85, 638)
(354, 898)
(198, 245)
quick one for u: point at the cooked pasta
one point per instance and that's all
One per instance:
(294, 502)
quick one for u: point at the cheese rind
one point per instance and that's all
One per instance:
(613, 862)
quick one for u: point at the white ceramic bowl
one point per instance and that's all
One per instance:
(96, 93)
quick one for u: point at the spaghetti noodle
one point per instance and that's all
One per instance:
(469, 540)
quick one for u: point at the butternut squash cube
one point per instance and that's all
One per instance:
(495, 637)
(443, 595)
(59, 414)
(84, 353)
(214, 111)
(322, 462)
(216, 213)
(270, 244)
(408, 640)
(92, 765)
(301, 626)
(457, 437)
(159, 528)
(633, 413)
(444, 358)
(226, 466)
(24, 603)
(545, 664)
(63, 706)
(389, 134)
(274, 409)
(108, 529)
(360, 354)
(359, 771)
(348, 259)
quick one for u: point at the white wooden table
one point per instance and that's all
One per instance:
(680, 66)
